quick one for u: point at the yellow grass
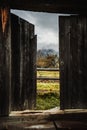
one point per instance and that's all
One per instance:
(48, 91)
(47, 84)
(54, 74)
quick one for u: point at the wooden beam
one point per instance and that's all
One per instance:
(5, 61)
(52, 6)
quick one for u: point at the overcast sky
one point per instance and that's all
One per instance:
(46, 28)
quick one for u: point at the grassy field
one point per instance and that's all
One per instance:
(48, 92)
(54, 74)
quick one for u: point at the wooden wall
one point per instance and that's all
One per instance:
(5, 61)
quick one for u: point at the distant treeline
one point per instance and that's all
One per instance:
(47, 58)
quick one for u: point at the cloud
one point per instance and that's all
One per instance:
(46, 27)
(46, 37)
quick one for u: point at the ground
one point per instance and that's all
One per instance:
(45, 120)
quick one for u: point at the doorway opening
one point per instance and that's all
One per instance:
(47, 30)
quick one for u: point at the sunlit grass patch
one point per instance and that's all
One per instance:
(48, 86)
(48, 95)
(48, 74)
(48, 91)
(47, 101)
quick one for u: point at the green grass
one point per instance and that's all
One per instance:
(48, 92)
(49, 86)
(47, 101)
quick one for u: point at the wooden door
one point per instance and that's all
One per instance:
(73, 62)
(24, 46)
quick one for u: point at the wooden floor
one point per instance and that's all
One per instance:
(53, 119)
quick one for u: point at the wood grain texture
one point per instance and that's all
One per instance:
(73, 31)
(5, 65)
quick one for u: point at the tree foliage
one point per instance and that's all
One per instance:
(49, 61)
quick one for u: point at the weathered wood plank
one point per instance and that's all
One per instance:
(74, 61)
(79, 91)
(83, 62)
(73, 91)
(5, 61)
(64, 48)
(32, 72)
(23, 64)
(52, 6)
(15, 62)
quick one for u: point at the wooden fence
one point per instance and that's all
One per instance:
(48, 78)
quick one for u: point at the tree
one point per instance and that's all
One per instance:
(52, 61)
(47, 59)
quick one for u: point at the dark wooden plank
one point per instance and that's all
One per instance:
(32, 72)
(20, 39)
(78, 24)
(5, 61)
(24, 63)
(80, 35)
(52, 6)
(28, 66)
(61, 60)
(74, 90)
(15, 62)
(64, 50)
(74, 61)
(83, 63)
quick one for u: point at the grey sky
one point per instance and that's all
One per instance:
(46, 27)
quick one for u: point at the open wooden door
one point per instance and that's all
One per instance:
(23, 64)
(73, 62)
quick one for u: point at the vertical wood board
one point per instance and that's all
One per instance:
(73, 58)
(5, 61)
